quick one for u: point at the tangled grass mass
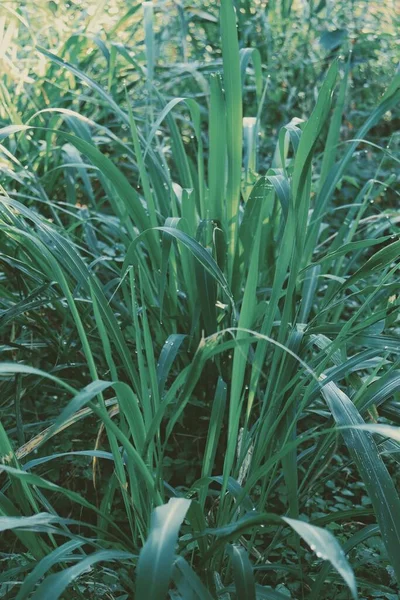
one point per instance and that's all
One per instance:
(199, 300)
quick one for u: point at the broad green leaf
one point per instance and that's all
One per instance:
(156, 559)
(183, 572)
(167, 356)
(377, 262)
(126, 192)
(253, 54)
(33, 521)
(149, 38)
(62, 553)
(326, 547)
(378, 482)
(55, 585)
(234, 113)
(311, 133)
(195, 248)
(358, 538)
(242, 573)
(387, 431)
(217, 151)
(262, 593)
(330, 40)
(215, 428)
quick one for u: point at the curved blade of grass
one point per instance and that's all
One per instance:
(35, 480)
(81, 399)
(156, 559)
(36, 441)
(326, 547)
(167, 356)
(389, 100)
(30, 522)
(268, 593)
(351, 246)
(90, 82)
(249, 523)
(357, 538)
(311, 133)
(378, 482)
(29, 539)
(242, 573)
(262, 593)
(63, 552)
(13, 367)
(195, 248)
(236, 490)
(380, 390)
(332, 140)
(55, 585)
(127, 193)
(282, 189)
(377, 262)
(183, 572)
(253, 54)
(387, 431)
(44, 459)
(215, 427)
(195, 114)
(11, 129)
(288, 134)
(70, 261)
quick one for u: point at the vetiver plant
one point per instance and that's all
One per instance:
(161, 285)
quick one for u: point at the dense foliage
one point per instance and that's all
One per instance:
(199, 300)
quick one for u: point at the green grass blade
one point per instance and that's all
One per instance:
(358, 538)
(149, 38)
(55, 585)
(195, 248)
(379, 484)
(334, 128)
(154, 567)
(247, 54)
(217, 152)
(311, 133)
(242, 573)
(377, 262)
(183, 572)
(64, 551)
(215, 428)
(389, 100)
(326, 547)
(167, 356)
(234, 114)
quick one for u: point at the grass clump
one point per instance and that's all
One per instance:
(199, 304)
